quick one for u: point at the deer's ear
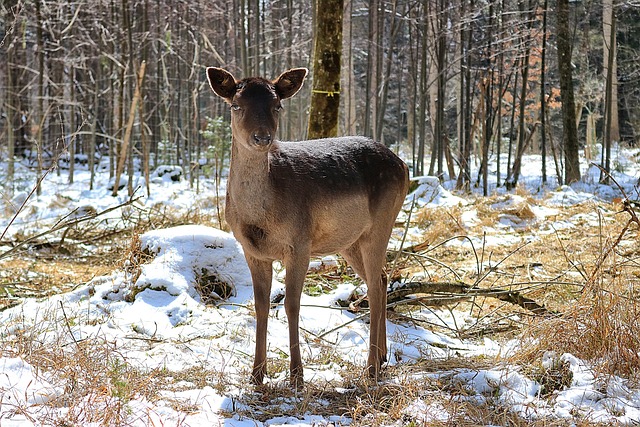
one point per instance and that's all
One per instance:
(290, 82)
(222, 83)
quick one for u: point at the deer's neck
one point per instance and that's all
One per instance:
(249, 195)
(247, 164)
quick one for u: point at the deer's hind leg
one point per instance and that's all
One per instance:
(367, 258)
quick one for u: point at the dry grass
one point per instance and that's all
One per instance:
(601, 325)
(88, 377)
(406, 397)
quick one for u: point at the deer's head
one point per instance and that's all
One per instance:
(255, 103)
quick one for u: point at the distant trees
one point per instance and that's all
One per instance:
(452, 82)
(70, 76)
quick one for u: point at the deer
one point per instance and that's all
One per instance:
(288, 201)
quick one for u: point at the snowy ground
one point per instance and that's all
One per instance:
(152, 318)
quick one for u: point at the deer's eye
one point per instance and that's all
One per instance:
(235, 107)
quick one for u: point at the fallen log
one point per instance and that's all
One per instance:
(459, 289)
(442, 293)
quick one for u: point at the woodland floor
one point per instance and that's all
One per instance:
(581, 263)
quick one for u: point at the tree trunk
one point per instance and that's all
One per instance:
(349, 105)
(72, 125)
(9, 107)
(569, 131)
(512, 120)
(436, 33)
(124, 148)
(40, 118)
(440, 129)
(325, 96)
(412, 88)
(464, 101)
(386, 75)
(610, 63)
(422, 107)
(94, 126)
(543, 96)
(611, 128)
(501, 91)
(8, 104)
(370, 110)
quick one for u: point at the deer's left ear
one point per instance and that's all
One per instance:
(290, 82)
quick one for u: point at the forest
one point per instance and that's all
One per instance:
(446, 82)
(513, 266)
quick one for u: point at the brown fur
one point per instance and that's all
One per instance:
(290, 200)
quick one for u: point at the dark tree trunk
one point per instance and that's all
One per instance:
(569, 131)
(611, 131)
(325, 96)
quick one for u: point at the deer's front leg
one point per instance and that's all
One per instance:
(261, 274)
(296, 265)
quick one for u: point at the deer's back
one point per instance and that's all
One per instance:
(336, 166)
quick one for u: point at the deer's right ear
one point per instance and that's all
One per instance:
(222, 82)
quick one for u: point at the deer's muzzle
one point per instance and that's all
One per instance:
(262, 138)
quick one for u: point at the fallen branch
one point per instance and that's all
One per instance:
(66, 222)
(427, 293)
(423, 292)
(443, 293)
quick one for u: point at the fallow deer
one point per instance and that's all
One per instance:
(290, 200)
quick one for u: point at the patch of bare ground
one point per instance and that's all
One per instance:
(406, 396)
(38, 273)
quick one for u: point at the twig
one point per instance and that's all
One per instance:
(355, 319)
(627, 207)
(66, 321)
(24, 203)
(493, 268)
(422, 247)
(566, 257)
(404, 237)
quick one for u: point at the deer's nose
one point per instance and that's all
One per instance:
(262, 138)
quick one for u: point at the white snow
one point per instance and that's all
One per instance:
(156, 319)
